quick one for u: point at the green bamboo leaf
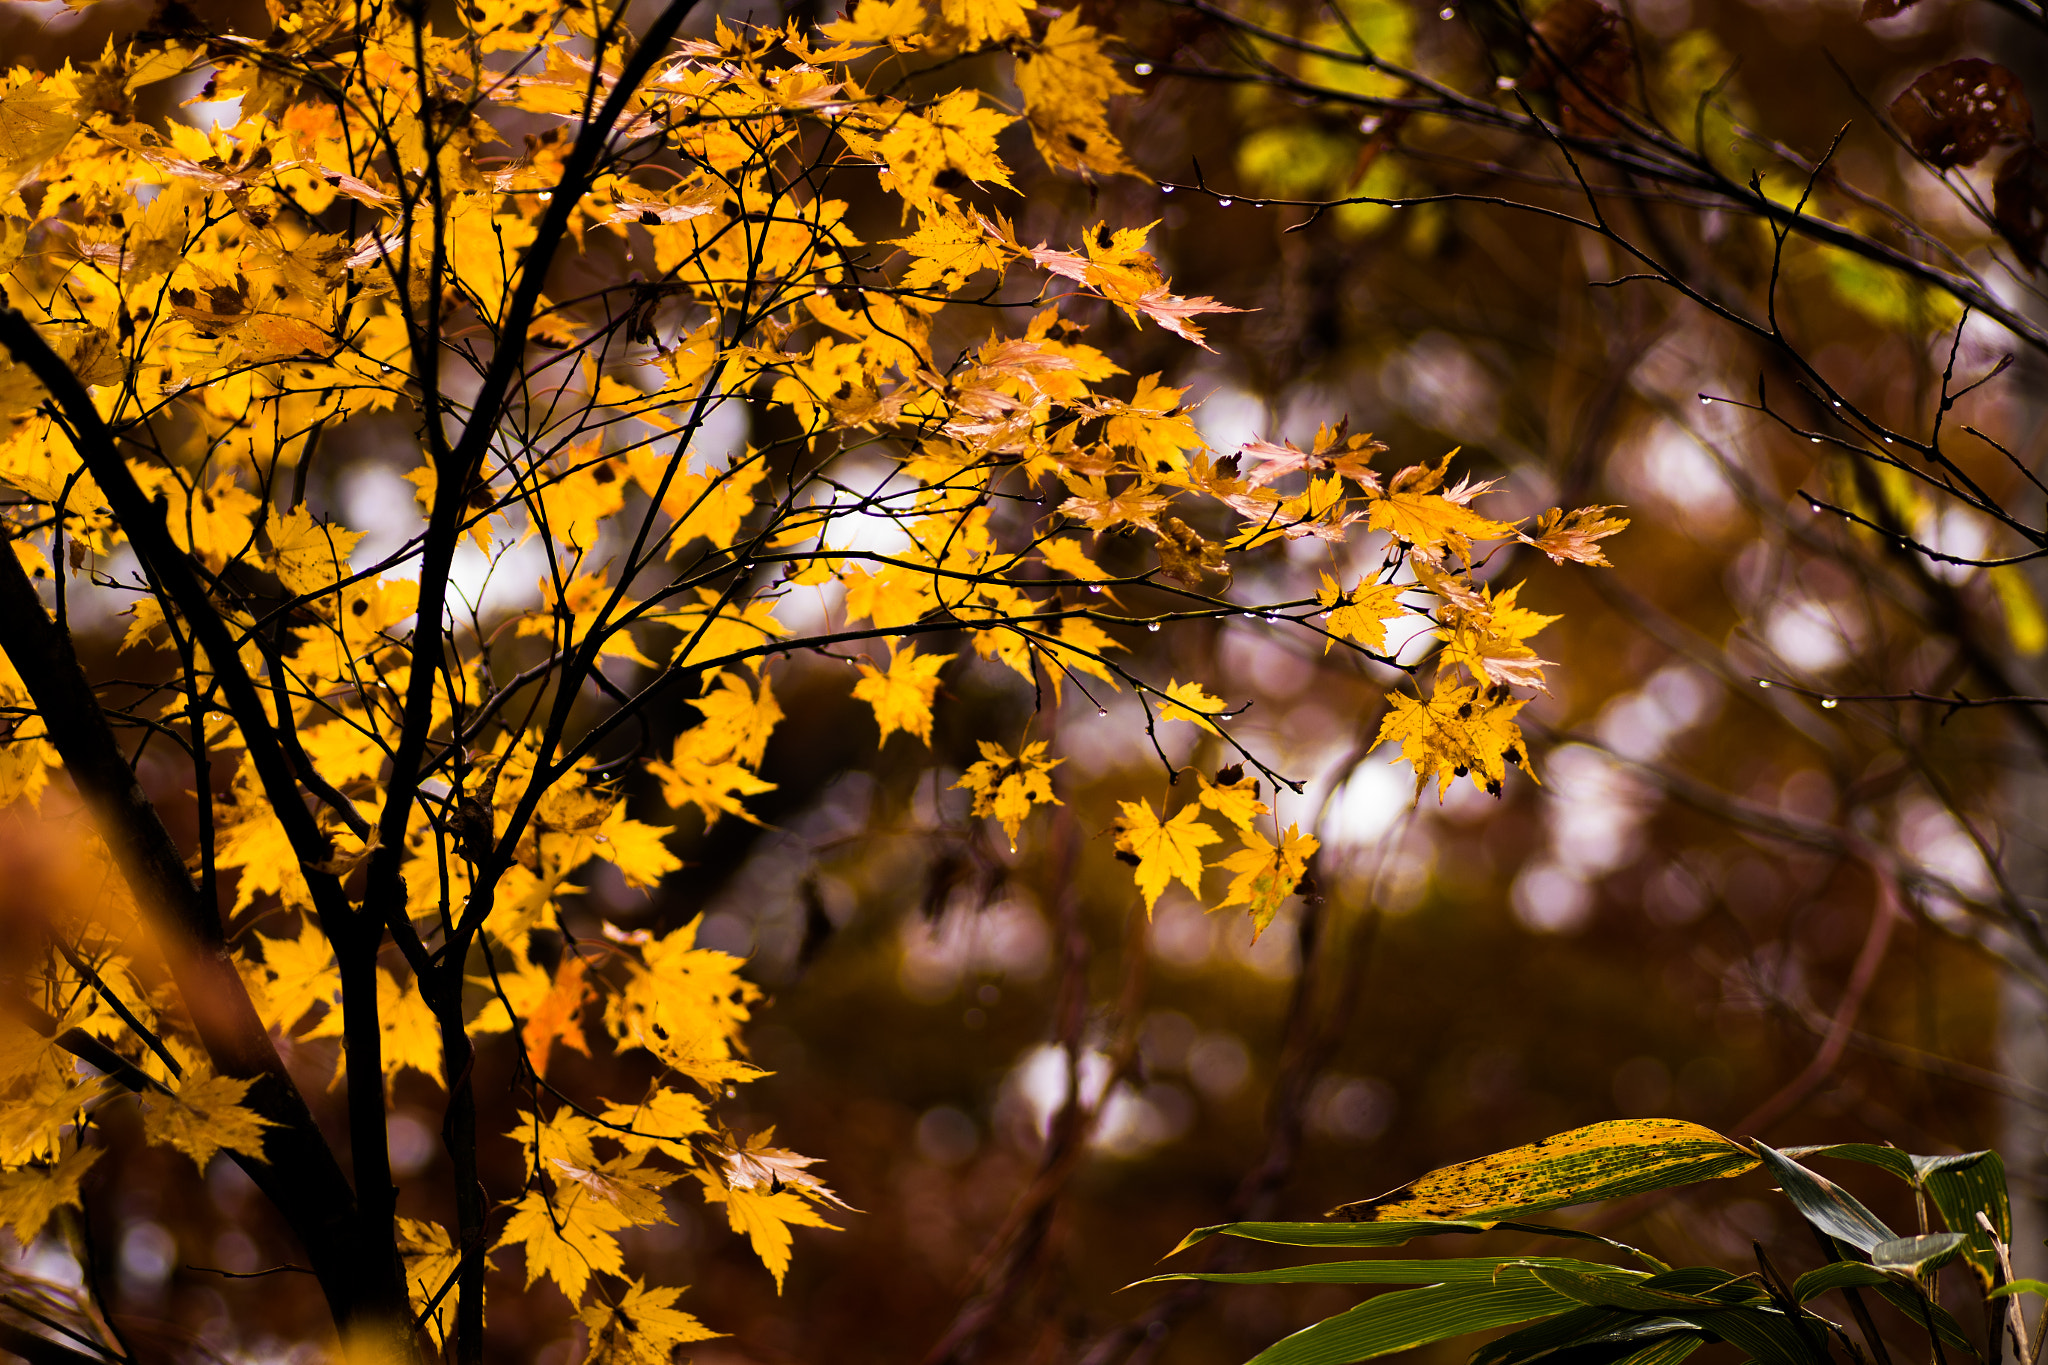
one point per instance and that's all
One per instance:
(1918, 1311)
(1959, 1185)
(1629, 1292)
(1392, 1233)
(1384, 1234)
(1579, 1235)
(1666, 1350)
(1409, 1318)
(1602, 1161)
(1915, 1256)
(1709, 1282)
(1475, 1270)
(1884, 1158)
(1825, 1204)
(1963, 1186)
(1580, 1327)
(1838, 1275)
(1767, 1334)
(2006, 1291)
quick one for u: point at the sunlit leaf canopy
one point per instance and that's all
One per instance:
(697, 353)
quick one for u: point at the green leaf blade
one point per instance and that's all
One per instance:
(1823, 1203)
(1408, 1318)
(1472, 1270)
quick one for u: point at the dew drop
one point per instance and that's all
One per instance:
(1101, 712)
(1838, 402)
(1704, 400)
(1829, 703)
(1763, 683)
(1223, 203)
(1815, 440)
(1503, 82)
(1152, 626)
(383, 369)
(1447, 13)
(1813, 507)
(1142, 69)
(1166, 189)
(546, 197)
(1369, 125)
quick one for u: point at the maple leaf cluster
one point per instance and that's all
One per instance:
(195, 320)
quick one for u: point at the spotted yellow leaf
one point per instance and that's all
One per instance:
(1600, 1161)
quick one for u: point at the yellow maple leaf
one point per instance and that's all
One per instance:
(902, 697)
(1065, 83)
(410, 1034)
(204, 1116)
(1361, 615)
(946, 249)
(712, 631)
(213, 522)
(1163, 850)
(1094, 504)
(1412, 510)
(1266, 873)
(1086, 644)
(663, 1122)
(686, 1005)
(988, 21)
(1066, 557)
(643, 1328)
(1155, 427)
(34, 126)
(565, 1237)
(635, 848)
(1460, 731)
(1006, 787)
(954, 134)
(430, 1258)
(1187, 701)
(739, 719)
(1573, 535)
(1234, 796)
(30, 1194)
(714, 786)
(557, 1017)
(899, 23)
(299, 973)
(765, 1219)
(1484, 634)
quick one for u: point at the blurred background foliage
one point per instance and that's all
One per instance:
(1667, 924)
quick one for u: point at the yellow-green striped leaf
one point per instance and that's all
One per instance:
(1601, 1161)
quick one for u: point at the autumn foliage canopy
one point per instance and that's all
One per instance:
(554, 257)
